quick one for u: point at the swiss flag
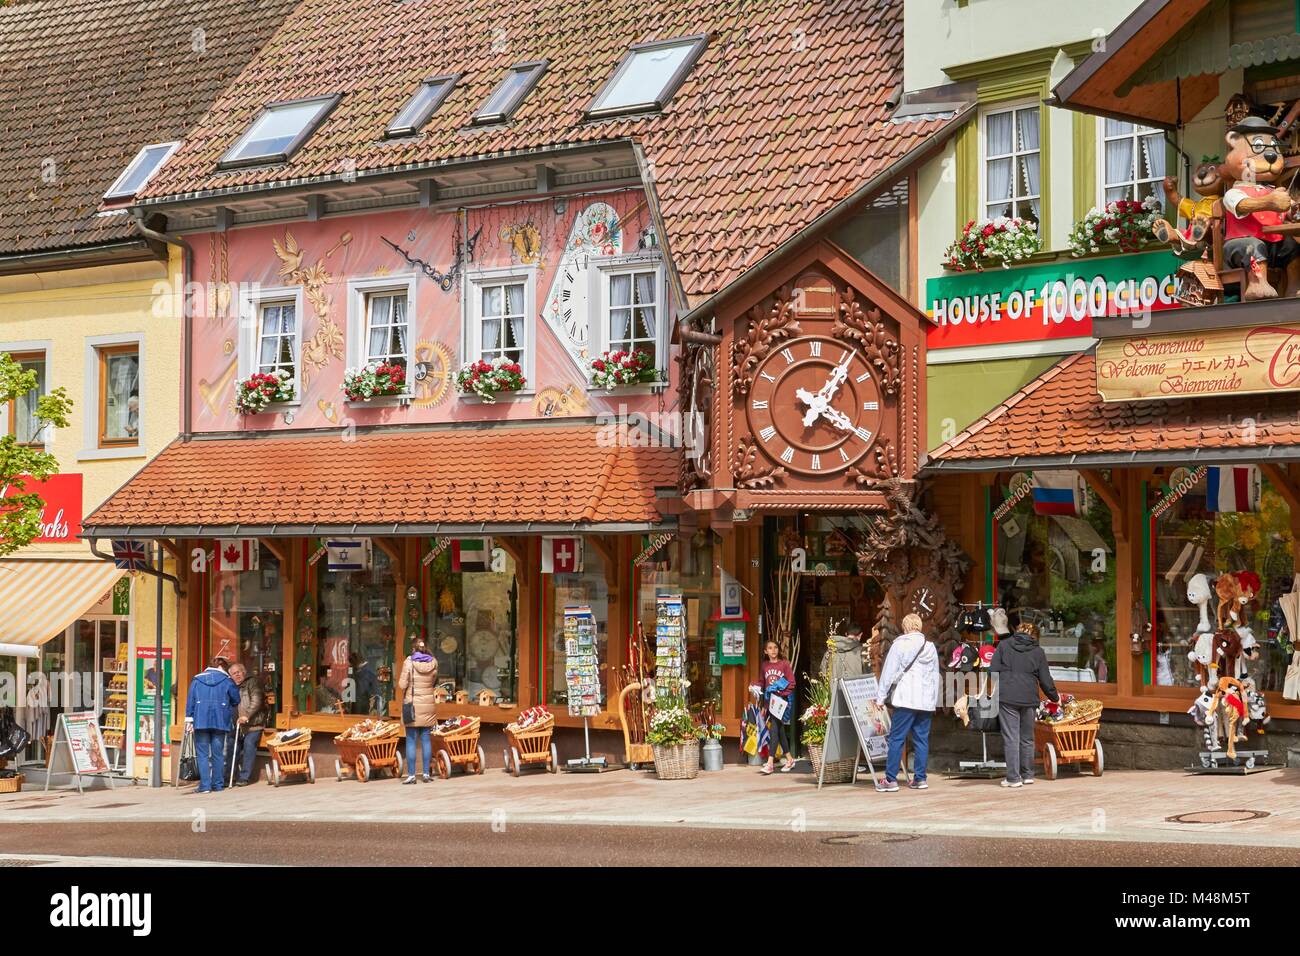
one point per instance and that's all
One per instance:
(561, 555)
(237, 554)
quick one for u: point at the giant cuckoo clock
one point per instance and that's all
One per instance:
(814, 391)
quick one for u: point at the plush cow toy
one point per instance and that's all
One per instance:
(1202, 653)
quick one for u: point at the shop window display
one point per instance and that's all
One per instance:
(1188, 540)
(687, 566)
(587, 587)
(471, 626)
(247, 621)
(1058, 571)
(356, 636)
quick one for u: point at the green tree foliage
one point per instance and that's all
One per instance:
(20, 516)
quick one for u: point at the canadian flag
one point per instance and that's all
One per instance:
(237, 554)
(561, 555)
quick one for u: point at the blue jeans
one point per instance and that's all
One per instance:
(426, 749)
(917, 723)
(245, 755)
(210, 752)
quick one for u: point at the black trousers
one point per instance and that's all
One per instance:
(1018, 740)
(778, 733)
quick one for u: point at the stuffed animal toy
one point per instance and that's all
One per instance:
(1228, 588)
(1207, 183)
(1253, 204)
(1202, 652)
(1227, 706)
(1198, 594)
(1256, 705)
(1226, 654)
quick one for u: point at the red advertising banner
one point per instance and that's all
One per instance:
(61, 518)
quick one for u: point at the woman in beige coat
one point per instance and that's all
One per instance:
(419, 676)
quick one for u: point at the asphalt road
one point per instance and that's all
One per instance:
(382, 844)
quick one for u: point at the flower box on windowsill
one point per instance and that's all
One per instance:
(640, 388)
(380, 401)
(275, 408)
(500, 398)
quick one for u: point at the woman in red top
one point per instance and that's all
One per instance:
(771, 672)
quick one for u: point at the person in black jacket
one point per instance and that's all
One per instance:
(1022, 669)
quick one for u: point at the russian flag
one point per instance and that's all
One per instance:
(1232, 488)
(1056, 493)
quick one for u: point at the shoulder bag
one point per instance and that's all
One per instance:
(408, 705)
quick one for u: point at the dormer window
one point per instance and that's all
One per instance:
(422, 105)
(140, 170)
(278, 131)
(647, 77)
(510, 92)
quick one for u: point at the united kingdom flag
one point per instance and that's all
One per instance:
(130, 555)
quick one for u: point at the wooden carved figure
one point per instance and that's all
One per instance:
(1252, 205)
(1207, 183)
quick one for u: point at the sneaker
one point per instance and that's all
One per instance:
(918, 783)
(1026, 780)
(408, 780)
(426, 778)
(886, 786)
(242, 783)
(1008, 783)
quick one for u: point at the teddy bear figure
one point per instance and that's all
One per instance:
(1252, 205)
(1207, 183)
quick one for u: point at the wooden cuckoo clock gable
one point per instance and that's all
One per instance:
(819, 383)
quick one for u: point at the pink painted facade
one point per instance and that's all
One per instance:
(562, 249)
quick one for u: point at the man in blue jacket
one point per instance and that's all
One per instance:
(212, 705)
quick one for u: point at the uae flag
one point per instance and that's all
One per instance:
(561, 555)
(1232, 488)
(237, 554)
(471, 554)
(1057, 493)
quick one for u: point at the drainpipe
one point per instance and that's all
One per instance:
(187, 313)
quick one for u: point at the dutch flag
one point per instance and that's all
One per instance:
(1232, 488)
(1057, 493)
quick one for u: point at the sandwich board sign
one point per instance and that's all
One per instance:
(83, 751)
(856, 725)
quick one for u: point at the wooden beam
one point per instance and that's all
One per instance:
(276, 548)
(608, 549)
(395, 553)
(1109, 494)
(517, 548)
(315, 207)
(545, 178)
(428, 192)
(224, 218)
(1281, 480)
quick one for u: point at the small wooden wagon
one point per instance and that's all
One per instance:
(290, 757)
(1073, 740)
(532, 746)
(458, 747)
(364, 757)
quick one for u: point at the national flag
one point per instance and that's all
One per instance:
(130, 555)
(1232, 488)
(1057, 493)
(471, 554)
(561, 555)
(348, 554)
(237, 554)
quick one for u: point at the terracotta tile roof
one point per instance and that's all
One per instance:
(1059, 414)
(782, 117)
(546, 475)
(85, 83)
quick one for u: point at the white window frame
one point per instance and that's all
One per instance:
(532, 71)
(90, 450)
(626, 265)
(982, 166)
(694, 44)
(472, 339)
(359, 293)
(115, 191)
(232, 159)
(44, 346)
(250, 330)
(1135, 135)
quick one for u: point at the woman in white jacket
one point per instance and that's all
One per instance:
(911, 673)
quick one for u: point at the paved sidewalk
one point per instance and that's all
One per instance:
(1122, 805)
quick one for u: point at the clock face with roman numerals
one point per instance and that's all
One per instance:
(814, 406)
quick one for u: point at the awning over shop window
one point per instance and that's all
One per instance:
(439, 481)
(39, 599)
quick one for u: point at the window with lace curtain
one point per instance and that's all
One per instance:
(387, 330)
(1012, 151)
(500, 311)
(632, 316)
(1132, 162)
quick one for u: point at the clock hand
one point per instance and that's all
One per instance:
(838, 376)
(838, 419)
(816, 405)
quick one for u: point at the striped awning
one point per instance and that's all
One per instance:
(39, 599)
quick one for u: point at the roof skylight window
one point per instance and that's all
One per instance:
(510, 92)
(647, 77)
(421, 106)
(140, 170)
(278, 131)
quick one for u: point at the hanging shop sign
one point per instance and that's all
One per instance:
(731, 642)
(147, 677)
(1058, 300)
(1263, 358)
(61, 515)
(122, 597)
(732, 596)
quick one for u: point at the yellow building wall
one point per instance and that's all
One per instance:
(67, 310)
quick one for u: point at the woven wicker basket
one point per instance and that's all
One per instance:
(12, 784)
(679, 762)
(837, 771)
(1082, 711)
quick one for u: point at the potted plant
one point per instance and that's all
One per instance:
(814, 722)
(374, 380)
(675, 738)
(489, 379)
(261, 389)
(1124, 224)
(1003, 240)
(616, 369)
(711, 733)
